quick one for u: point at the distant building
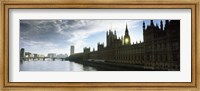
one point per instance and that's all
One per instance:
(31, 55)
(86, 50)
(51, 55)
(41, 55)
(72, 50)
(28, 54)
(61, 56)
(160, 48)
(22, 53)
(36, 55)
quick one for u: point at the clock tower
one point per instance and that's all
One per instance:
(127, 39)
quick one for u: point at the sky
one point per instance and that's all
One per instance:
(56, 36)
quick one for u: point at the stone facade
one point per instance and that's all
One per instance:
(159, 50)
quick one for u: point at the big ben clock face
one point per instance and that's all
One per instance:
(126, 40)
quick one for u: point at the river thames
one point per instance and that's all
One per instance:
(56, 65)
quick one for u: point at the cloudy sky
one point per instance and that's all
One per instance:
(56, 36)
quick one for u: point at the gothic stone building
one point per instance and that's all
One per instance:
(159, 50)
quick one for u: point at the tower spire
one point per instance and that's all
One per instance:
(127, 38)
(126, 30)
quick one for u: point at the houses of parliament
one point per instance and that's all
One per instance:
(160, 48)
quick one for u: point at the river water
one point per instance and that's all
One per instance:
(56, 65)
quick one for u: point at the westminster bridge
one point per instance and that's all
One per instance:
(41, 58)
(26, 56)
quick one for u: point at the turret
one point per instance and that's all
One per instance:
(122, 38)
(166, 24)
(115, 34)
(161, 25)
(107, 33)
(143, 25)
(110, 31)
(152, 23)
(156, 24)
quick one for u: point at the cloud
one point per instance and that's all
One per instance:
(58, 35)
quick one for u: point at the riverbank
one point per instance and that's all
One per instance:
(106, 66)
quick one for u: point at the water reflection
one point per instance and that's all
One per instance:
(56, 65)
